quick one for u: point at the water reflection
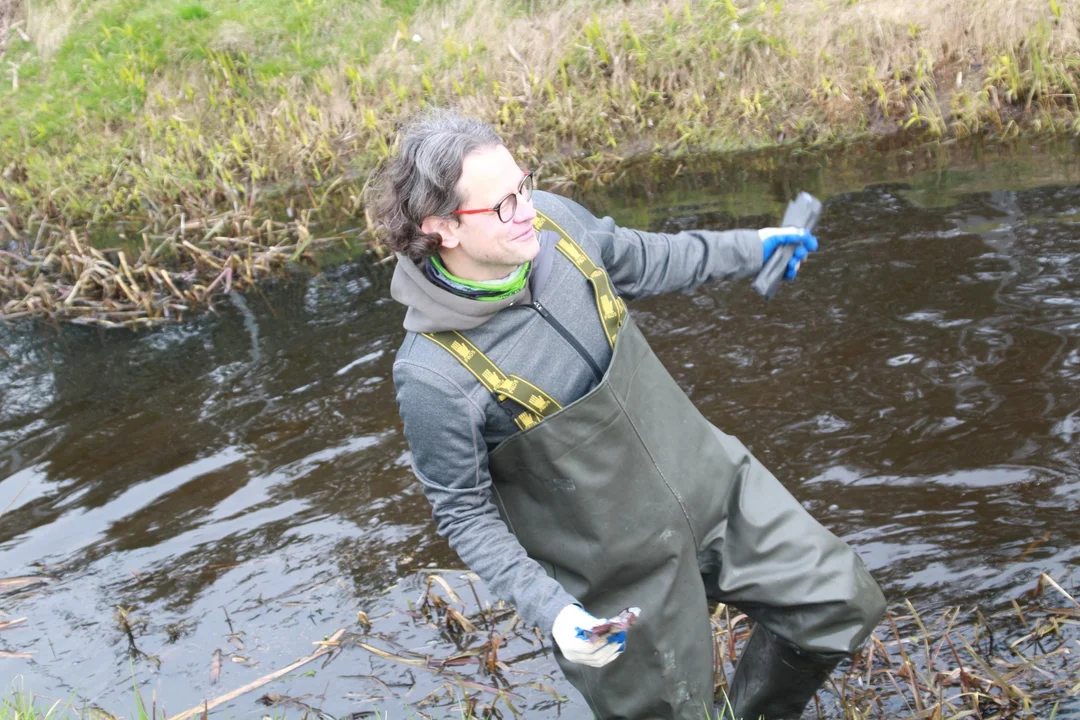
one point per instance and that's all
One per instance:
(921, 382)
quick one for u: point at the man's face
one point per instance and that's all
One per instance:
(481, 246)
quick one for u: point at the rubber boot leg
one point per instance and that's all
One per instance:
(773, 680)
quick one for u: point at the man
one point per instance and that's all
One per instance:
(567, 468)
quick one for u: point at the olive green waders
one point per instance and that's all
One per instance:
(630, 497)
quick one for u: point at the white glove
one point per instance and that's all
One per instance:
(768, 232)
(591, 652)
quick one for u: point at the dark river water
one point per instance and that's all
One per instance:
(240, 482)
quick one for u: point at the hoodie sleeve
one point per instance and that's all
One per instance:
(444, 429)
(641, 264)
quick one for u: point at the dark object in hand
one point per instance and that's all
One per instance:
(802, 212)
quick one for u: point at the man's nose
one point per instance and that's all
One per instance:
(525, 211)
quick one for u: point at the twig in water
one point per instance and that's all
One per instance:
(215, 667)
(8, 624)
(1060, 589)
(8, 506)
(327, 647)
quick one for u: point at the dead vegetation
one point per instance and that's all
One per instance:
(1018, 662)
(461, 657)
(169, 276)
(10, 25)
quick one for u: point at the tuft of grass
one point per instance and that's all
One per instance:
(193, 12)
(21, 704)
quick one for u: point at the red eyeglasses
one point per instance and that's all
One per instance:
(506, 208)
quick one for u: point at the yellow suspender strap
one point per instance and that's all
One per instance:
(535, 403)
(610, 306)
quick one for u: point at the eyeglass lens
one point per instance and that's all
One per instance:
(508, 205)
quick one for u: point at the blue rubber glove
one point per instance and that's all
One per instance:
(772, 238)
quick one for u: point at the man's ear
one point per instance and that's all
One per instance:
(441, 225)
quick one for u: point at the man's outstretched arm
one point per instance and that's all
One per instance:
(641, 263)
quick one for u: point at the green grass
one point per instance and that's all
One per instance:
(88, 110)
(22, 705)
(150, 103)
(193, 12)
(119, 51)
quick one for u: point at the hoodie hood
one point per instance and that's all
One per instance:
(433, 309)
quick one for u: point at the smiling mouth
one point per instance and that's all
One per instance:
(525, 235)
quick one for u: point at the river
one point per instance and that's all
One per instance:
(240, 482)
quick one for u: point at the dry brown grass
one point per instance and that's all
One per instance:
(48, 22)
(160, 283)
(45, 23)
(8, 23)
(7, 12)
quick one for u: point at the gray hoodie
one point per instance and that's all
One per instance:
(452, 422)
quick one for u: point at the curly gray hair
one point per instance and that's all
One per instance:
(421, 180)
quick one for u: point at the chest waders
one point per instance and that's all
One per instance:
(630, 497)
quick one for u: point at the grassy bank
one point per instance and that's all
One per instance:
(202, 120)
(1015, 662)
